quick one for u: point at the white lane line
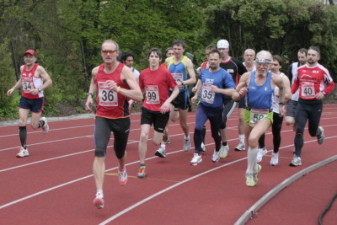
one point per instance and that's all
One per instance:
(115, 216)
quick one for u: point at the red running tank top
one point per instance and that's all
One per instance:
(110, 104)
(28, 84)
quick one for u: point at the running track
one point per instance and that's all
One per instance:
(55, 184)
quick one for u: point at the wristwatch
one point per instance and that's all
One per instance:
(40, 90)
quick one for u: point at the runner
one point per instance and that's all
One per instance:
(277, 116)
(181, 67)
(114, 83)
(258, 88)
(155, 82)
(215, 82)
(314, 82)
(249, 63)
(236, 69)
(292, 104)
(33, 81)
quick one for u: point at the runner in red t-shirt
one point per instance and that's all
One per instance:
(114, 84)
(155, 82)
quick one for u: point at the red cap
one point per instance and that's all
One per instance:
(31, 52)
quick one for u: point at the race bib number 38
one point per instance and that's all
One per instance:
(152, 94)
(106, 96)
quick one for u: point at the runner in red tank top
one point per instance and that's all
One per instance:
(34, 79)
(114, 84)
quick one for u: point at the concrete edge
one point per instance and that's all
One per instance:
(251, 212)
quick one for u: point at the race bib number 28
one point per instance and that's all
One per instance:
(106, 96)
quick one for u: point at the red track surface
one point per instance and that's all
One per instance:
(55, 185)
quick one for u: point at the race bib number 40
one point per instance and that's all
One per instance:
(256, 115)
(307, 90)
(106, 96)
(152, 94)
(207, 95)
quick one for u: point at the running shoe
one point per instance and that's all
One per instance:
(321, 137)
(161, 152)
(261, 152)
(274, 159)
(187, 144)
(123, 177)
(203, 147)
(22, 153)
(296, 161)
(99, 201)
(250, 181)
(223, 152)
(141, 172)
(256, 175)
(196, 159)
(45, 127)
(216, 156)
(240, 147)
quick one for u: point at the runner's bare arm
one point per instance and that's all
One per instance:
(92, 90)
(241, 88)
(134, 92)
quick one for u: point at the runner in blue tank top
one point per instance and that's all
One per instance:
(215, 82)
(258, 87)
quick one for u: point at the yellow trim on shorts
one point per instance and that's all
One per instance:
(246, 116)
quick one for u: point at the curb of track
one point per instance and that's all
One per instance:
(251, 212)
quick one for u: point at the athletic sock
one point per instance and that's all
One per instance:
(242, 138)
(23, 136)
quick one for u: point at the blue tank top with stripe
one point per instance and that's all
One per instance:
(259, 96)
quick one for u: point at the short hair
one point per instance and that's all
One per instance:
(169, 49)
(155, 50)
(278, 59)
(315, 48)
(214, 51)
(179, 42)
(264, 52)
(125, 55)
(113, 42)
(303, 50)
(249, 49)
(210, 47)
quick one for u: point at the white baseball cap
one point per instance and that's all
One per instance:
(222, 44)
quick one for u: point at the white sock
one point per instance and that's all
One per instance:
(99, 193)
(251, 162)
(163, 146)
(187, 137)
(242, 138)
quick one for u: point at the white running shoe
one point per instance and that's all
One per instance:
(45, 127)
(196, 159)
(22, 153)
(123, 177)
(99, 200)
(216, 156)
(296, 161)
(321, 137)
(203, 147)
(187, 144)
(240, 147)
(161, 152)
(223, 152)
(274, 159)
(261, 152)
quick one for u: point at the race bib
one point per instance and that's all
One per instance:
(106, 96)
(152, 94)
(178, 77)
(207, 95)
(27, 84)
(307, 90)
(256, 115)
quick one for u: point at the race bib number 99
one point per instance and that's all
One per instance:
(106, 96)
(152, 94)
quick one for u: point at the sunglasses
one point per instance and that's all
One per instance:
(105, 52)
(263, 61)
